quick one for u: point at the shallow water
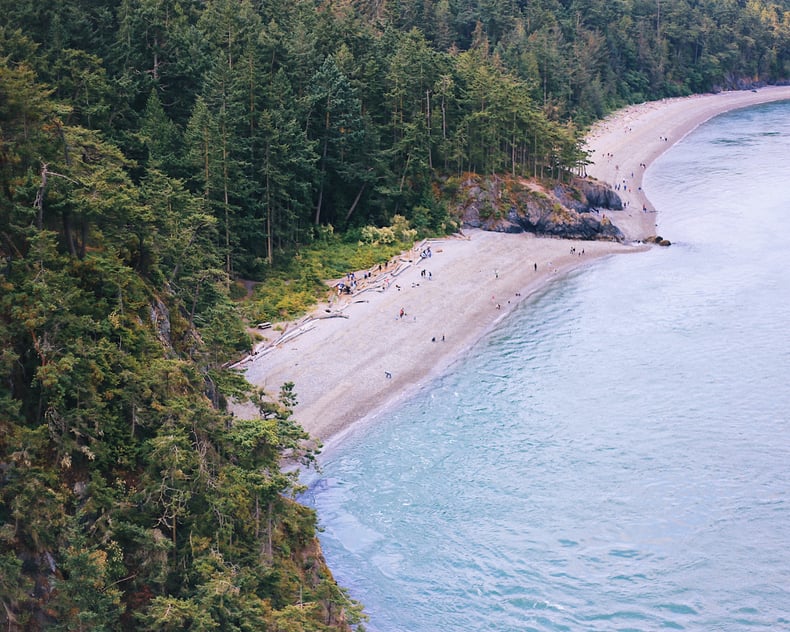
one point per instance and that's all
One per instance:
(615, 455)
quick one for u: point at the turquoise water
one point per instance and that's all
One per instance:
(616, 455)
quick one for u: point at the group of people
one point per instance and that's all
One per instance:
(350, 283)
(346, 288)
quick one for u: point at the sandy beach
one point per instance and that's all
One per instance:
(349, 368)
(624, 144)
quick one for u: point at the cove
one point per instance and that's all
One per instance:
(614, 455)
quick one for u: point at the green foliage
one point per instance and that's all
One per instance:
(292, 290)
(278, 299)
(128, 496)
(378, 236)
(86, 595)
(172, 614)
(399, 232)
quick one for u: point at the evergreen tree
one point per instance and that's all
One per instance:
(335, 126)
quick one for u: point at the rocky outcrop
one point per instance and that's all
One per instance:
(594, 196)
(569, 225)
(510, 205)
(658, 239)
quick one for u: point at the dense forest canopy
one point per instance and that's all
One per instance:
(278, 117)
(153, 151)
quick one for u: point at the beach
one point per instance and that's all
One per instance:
(624, 144)
(383, 344)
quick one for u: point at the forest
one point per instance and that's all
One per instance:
(159, 158)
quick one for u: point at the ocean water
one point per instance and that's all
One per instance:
(616, 456)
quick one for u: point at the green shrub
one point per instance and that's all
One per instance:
(452, 186)
(378, 236)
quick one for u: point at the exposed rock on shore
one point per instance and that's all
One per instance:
(512, 205)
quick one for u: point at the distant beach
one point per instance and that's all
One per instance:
(390, 342)
(624, 144)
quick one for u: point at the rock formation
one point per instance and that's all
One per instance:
(575, 210)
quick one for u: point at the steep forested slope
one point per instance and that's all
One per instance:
(129, 497)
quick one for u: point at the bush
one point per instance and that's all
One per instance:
(452, 186)
(403, 232)
(374, 236)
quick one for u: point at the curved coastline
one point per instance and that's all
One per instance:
(349, 369)
(623, 145)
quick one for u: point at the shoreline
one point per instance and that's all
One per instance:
(346, 371)
(532, 288)
(349, 369)
(624, 145)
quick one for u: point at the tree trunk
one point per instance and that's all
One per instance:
(324, 152)
(227, 233)
(269, 546)
(356, 200)
(269, 250)
(257, 518)
(39, 202)
(84, 238)
(428, 125)
(405, 171)
(67, 231)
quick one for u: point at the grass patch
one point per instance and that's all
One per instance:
(295, 287)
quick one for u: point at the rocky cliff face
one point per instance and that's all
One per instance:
(577, 210)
